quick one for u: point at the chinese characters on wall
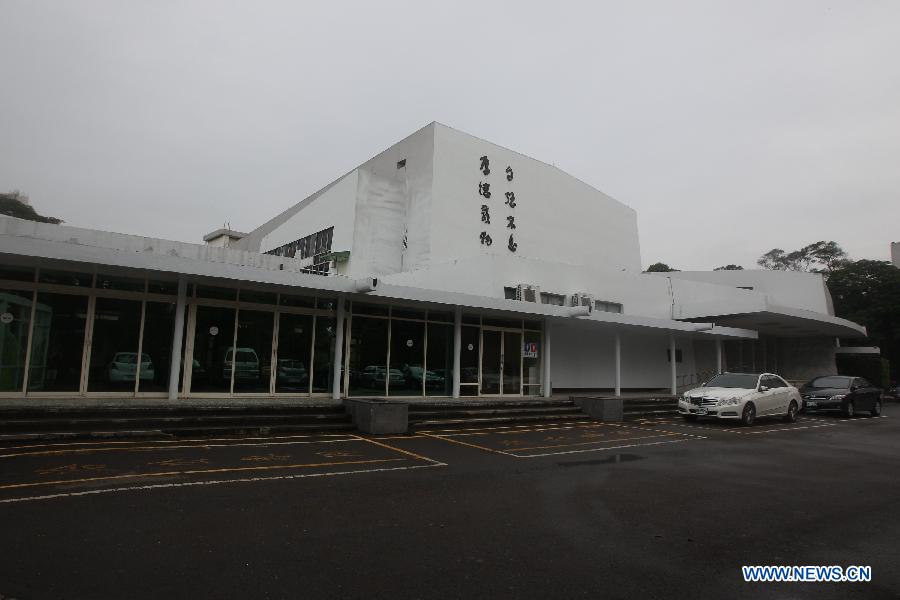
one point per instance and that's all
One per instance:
(509, 205)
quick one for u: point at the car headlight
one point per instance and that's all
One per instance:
(730, 401)
(838, 397)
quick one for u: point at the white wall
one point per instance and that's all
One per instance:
(785, 288)
(334, 207)
(583, 358)
(558, 218)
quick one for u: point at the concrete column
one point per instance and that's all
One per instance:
(177, 339)
(673, 364)
(548, 388)
(718, 356)
(457, 348)
(618, 365)
(338, 350)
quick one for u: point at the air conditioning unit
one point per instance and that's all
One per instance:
(528, 293)
(580, 299)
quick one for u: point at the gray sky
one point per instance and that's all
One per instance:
(731, 127)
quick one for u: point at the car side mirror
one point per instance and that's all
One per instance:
(853, 388)
(764, 388)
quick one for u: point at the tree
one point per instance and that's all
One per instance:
(818, 257)
(868, 292)
(14, 204)
(729, 268)
(659, 268)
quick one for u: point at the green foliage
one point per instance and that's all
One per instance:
(11, 205)
(868, 292)
(729, 268)
(818, 257)
(659, 268)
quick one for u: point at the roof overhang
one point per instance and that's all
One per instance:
(786, 321)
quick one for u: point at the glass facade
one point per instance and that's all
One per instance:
(65, 332)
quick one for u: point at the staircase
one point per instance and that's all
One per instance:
(459, 414)
(82, 423)
(649, 407)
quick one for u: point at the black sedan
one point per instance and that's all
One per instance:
(849, 395)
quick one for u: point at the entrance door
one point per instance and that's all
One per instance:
(501, 362)
(491, 362)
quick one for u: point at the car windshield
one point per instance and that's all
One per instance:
(830, 382)
(734, 380)
(245, 356)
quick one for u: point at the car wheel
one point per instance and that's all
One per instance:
(849, 410)
(690, 417)
(876, 409)
(749, 415)
(791, 415)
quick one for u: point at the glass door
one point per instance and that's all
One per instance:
(512, 363)
(491, 362)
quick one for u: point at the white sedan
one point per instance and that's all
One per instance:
(743, 396)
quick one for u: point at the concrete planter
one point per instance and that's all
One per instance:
(604, 409)
(378, 416)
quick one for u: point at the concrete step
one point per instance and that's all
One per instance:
(531, 419)
(488, 412)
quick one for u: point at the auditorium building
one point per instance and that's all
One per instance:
(445, 266)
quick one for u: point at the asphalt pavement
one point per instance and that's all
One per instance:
(654, 509)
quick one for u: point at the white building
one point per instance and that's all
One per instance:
(496, 274)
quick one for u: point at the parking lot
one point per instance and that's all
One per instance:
(636, 509)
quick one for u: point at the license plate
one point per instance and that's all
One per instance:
(811, 404)
(701, 411)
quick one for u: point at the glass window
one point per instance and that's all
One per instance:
(512, 363)
(163, 287)
(443, 316)
(471, 319)
(368, 356)
(58, 343)
(114, 346)
(65, 278)
(159, 326)
(439, 360)
(531, 359)
(253, 354)
(363, 308)
(16, 273)
(15, 315)
(213, 338)
(469, 356)
(407, 313)
(257, 297)
(323, 354)
(554, 299)
(115, 282)
(301, 301)
(218, 293)
(514, 323)
(326, 303)
(532, 325)
(293, 366)
(511, 293)
(406, 371)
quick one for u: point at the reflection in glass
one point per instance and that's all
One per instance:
(490, 361)
(213, 337)
(159, 325)
(253, 355)
(294, 352)
(15, 307)
(368, 357)
(512, 363)
(439, 376)
(114, 347)
(469, 356)
(57, 345)
(323, 354)
(406, 373)
(532, 364)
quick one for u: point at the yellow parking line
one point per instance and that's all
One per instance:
(452, 441)
(196, 472)
(179, 441)
(134, 448)
(400, 450)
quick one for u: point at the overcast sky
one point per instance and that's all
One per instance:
(731, 127)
